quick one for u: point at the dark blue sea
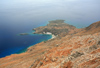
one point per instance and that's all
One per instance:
(11, 42)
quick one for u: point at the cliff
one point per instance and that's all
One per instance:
(74, 50)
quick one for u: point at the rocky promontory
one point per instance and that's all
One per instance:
(57, 27)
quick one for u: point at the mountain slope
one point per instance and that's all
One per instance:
(93, 28)
(72, 52)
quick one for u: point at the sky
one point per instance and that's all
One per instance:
(80, 13)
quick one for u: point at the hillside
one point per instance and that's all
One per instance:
(74, 50)
(93, 28)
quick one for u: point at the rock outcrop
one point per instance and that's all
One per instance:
(23, 34)
(76, 50)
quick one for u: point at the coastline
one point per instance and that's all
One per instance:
(25, 49)
(48, 33)
(67, 49)
(53, 36)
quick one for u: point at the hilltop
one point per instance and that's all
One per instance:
(76, 48)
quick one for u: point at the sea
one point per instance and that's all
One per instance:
(13, 43)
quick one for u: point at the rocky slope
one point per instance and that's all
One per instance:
(93, 28)
(72, 52)
(78, 50)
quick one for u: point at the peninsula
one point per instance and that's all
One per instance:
(57, 28)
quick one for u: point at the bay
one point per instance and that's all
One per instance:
(13, 43)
